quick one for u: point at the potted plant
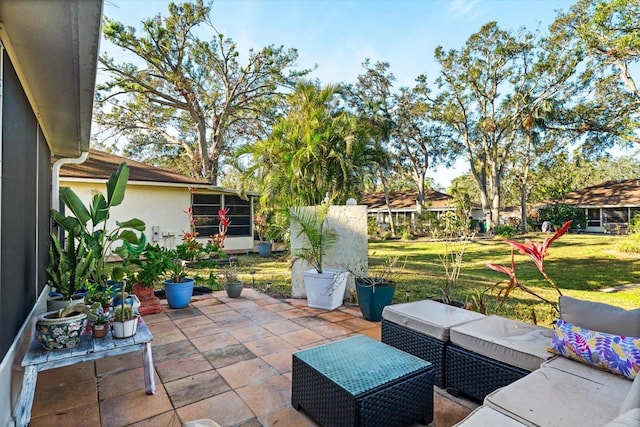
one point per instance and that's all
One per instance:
(178, 288)
(97, 293)
(99, 320)
(69, 270)
(124, 321)
(375, 287)
(232, 284)
(260, 225)
(324, 288)
(88, 225)
(62, 328)
(151, 267)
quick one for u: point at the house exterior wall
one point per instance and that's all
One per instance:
(162, 208)
(24, 228)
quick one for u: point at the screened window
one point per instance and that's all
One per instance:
(205, 214)
(615, 215)
(593, 217)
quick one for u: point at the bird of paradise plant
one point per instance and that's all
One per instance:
(537, 253)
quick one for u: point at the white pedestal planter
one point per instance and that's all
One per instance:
(325, 290)
(125, 329)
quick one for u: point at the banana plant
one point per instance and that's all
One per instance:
(89, 224)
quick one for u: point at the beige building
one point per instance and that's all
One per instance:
(161, 199)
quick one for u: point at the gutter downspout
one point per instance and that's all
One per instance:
(55, 176)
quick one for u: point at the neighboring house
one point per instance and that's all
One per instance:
(609, 206)
(161, 199)
(48, 63)
(404, 205)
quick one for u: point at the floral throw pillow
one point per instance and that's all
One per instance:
(618, 354)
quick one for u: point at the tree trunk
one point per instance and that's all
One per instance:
(386, 199)
(420, 199)
(204, 154)
(523, 207)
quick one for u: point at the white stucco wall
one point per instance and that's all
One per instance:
(351, 247)
(160, 206)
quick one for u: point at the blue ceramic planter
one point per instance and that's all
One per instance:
(178, 294)
(264, 249)
(373, 299)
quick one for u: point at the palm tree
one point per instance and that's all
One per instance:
(315, 148)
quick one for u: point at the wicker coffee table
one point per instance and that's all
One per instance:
(359, 381)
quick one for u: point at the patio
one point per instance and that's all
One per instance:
(220, 358)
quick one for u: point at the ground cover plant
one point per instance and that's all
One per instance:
(582, 265)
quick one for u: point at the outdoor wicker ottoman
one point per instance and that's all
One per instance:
(359, 381)
(493, 352)
(422, 329)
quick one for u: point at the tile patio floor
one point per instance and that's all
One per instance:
(220, 358)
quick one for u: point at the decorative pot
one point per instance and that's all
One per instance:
(373, 299)
(100, 331)
(234, 289)
(178, 294)
(325, 290)
(125, 329)
(54, 332)
(264, 249)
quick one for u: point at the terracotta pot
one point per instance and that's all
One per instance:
(100, 331)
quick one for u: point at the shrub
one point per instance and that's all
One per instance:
(372, 226)
(505, 231)
(406, 235)
(630, 244)
(560, 213)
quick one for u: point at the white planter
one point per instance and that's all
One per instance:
(125, 329)
(325, 290)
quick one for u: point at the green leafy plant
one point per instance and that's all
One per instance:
(97, 315)
(177, 269)
(89, 225)
(504, 231)
(560, 213)
(153, 264)
(98, 293)
(314, 227)
(537, 253)
(69, 269)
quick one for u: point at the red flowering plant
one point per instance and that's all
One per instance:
(260, 225)
(193, 250)
(537, 253)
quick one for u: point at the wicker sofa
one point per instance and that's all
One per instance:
(506, 365)
(566, 392)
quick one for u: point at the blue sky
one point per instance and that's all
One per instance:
(337, 35)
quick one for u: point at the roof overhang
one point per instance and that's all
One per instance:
(54, 48)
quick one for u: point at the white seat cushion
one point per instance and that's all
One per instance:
(515, 343)
(429, 317)
(484, 416)
(552, 397)
(588, 372)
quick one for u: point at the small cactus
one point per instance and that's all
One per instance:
(122, 313)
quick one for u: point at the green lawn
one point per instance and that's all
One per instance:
(581, 265)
